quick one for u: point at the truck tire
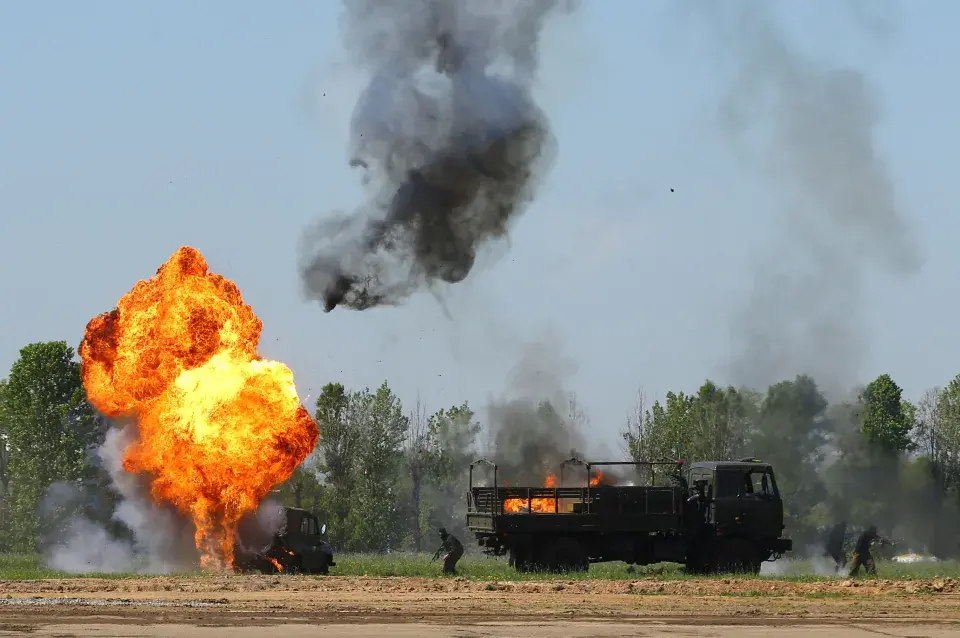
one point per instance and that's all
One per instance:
(295, 566)
(565, 555)
(739, 556)
(520, 560)
(324, 569)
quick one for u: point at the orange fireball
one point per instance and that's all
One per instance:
(218, 425)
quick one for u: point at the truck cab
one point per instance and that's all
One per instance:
(742, 500)
(296, 547)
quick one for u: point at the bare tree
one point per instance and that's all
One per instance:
(418, 442)
(633, 430)
(927, 423)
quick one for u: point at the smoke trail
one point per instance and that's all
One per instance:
(816, 127)
(451, 142)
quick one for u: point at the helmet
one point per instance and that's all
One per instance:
(443, 532)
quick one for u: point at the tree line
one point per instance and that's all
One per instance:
(385, 477)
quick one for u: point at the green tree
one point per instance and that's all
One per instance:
(340, 418)
(719, 423)
(885, 420)
(376, 516)
(943, 426)
(4, 474)
(791, 432)
(303, 489)
(50, 430)
(451, 437)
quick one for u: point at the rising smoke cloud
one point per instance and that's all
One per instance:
(538, 424)
(450, 140)
(811, 128)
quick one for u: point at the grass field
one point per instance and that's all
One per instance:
(31, 567)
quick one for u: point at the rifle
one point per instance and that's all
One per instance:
(437, 554)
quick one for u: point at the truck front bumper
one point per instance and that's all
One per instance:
(782, 545)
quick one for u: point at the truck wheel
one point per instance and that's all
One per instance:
(519, 559)
(324, 570)
(739, 557)
(566, 555)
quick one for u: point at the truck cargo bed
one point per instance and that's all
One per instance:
(530, 509)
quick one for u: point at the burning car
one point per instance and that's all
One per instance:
(294, 545)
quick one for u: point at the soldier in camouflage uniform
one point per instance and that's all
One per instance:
(861, 553)
(454, 552)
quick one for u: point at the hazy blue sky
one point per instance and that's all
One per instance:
(128, 129)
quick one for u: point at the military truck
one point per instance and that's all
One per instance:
(295, 547)
(711, 516)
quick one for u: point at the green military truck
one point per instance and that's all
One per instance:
(296, 546)
(711, 516)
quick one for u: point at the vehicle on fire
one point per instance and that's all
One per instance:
(713, 516)
(296, 547)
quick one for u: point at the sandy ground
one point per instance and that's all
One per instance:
(241, 606)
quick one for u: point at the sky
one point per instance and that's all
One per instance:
(130, 129)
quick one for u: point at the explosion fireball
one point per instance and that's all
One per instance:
(219, 426)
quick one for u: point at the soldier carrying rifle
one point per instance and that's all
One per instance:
(454, 552)
(861, 553)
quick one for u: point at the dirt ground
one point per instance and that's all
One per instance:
(349, 606)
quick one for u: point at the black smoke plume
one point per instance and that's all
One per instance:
(450, 140)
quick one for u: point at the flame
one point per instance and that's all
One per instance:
(276, 563)
(548, 505)
(218, 425)
(537, 505)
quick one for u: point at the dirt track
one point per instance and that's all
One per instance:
(440, 607)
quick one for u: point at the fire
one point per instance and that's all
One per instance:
(537, 505)
(218, 425)
(547, 505)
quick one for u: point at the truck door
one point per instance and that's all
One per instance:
(726, 498)
(763, 510)
(310, 539)
(750, 505)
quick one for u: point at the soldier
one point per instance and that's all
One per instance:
(861, 553)
(454, 552)
(834, 544)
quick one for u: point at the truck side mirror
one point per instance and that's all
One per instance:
(323, 529)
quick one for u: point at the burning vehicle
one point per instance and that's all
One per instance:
(714, 516)
(218, 425)
(296, 546)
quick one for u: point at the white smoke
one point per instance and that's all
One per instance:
(814, 563)
(162, 541)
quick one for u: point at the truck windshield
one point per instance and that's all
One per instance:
(308, 527)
